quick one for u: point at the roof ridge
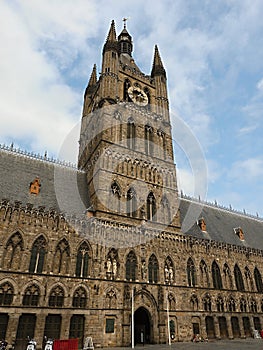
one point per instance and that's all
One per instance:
(37, 156)
(221, 207)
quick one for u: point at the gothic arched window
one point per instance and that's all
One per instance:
(131, 134)
(38, 253)
(216, 276)
(191, 273)
(151, 207)
(207, 303)
(253, 306)
(56, 297)
(231, 305)
(80, 298)
(131, 203)
(115, 197)
(82, 265)
(204, 277)
(148, 135)
(238, 278)
(13, 251)
(61, 257)
(131, 266)
(153, 269)
(31, 296)
(258, 280)
(243, 305)
(194, 302)
(6, 293)
(220, 304)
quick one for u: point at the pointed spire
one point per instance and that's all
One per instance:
(157, 68)
(93, 76)
(111, 41)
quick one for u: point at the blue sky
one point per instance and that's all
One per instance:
(213, 55)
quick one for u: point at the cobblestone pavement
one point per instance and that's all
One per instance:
(236, 344)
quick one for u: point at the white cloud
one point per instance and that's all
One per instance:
(247, 170)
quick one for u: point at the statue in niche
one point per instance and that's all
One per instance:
(166, 273)
(144, 270)
(114, 268)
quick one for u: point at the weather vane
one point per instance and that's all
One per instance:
(125, 19)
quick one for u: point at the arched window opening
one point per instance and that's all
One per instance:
(191, 273)
(82, 264)
(220, 304)
(80, 298)
(6, 293)
(253, 306)
(131, 134)
(194, 302)
(31, 296)
(13, 251)
(131, 203)
(243, 305)
(153, 269)
(148, 135)
(216, 276)
(61, 257)
(207, 303)
(131, 266)
(147, 92)
(115, 197)
(231, 305)
(38, 253)
(238, 278)
(258, 280)
(204, 277)
(56, 297)
(151, 207)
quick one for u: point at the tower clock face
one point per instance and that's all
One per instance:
(137, 96)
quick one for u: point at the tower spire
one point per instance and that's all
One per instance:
(111, 41)
(157, 68)
(93, 76)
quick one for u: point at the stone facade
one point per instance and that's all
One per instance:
(78, 273)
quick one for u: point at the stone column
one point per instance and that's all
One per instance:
(65, 324)
(12, 328)
(241, 327)
(229, 326)
(217, 329)
(39, 330)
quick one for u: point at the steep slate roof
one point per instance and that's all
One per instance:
(64, 188)
(220, 224)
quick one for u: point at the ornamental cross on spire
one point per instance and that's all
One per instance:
(125, 19)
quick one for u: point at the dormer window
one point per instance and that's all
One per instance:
(239, 232)
(34, 186)
(202, 224)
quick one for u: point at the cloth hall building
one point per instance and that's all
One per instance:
(100, 250)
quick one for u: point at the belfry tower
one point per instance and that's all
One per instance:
(125, 140)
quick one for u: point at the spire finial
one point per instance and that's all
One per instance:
(125, 19)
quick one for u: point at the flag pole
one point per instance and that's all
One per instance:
(132, 319)
(168, 321)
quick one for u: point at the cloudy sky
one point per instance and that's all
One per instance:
(213, 55)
